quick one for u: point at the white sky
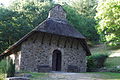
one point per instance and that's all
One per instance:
(6, 2)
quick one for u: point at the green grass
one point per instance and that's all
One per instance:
(112, 62)
(91, 75)
(112, 75)
(35, 75)
(105, 75)
(100, 49)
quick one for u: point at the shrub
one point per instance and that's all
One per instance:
(3, 66)
(115, 70)
(3, 69)
(96, 61)
(2, 76)
(7, 67)
(11, 69)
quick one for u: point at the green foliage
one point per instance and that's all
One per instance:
(11, 69)
(96, 61)
(83, 20)
(85, 25)
(12, 27)
(2, 76)
(108, 14)
(3, 66)
(112, 62)
(7, 67)
(19, 19)
(84, 7)
(3, 69)
(115, 70)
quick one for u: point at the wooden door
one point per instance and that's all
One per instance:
(56, 60)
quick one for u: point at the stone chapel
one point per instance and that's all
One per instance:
(54, 45)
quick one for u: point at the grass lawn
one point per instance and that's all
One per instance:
(89, 75)
(37, 75)
(34, 75)
(112, 75)
(105, 75)
(112, 62)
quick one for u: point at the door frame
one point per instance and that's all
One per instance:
(56, 60)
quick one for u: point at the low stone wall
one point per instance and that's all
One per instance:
(17, 78)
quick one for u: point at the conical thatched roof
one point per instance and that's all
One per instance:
(58, 27)
(56, 23)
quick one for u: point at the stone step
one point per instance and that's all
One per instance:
(17, 78)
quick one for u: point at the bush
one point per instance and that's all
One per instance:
(11, 69)
(3, 67)
(7, 67)
(115, 70)
(2, 76)
(96, 61)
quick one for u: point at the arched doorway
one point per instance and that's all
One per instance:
(56, 60)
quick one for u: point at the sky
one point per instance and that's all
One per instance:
(6, 2)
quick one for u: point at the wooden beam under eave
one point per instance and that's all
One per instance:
(65, 42)
(83, 45)
(50, 41)
(83, 42)
(72, 43)
(43, 36)
(58, 41)
(77, 43)
(34, 39)
(5, 55)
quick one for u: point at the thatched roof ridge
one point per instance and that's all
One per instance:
(59, 27)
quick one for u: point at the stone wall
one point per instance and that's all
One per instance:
(36, 53)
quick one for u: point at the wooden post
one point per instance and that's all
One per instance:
(72, 43)
(77, 43)
(82, 44)
(43, 36)
(50, 39)
(65, 42)
(58, 41)
(36, 35)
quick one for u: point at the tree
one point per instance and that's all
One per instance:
(84, 7)
(83, 20)
(85, 25)
(19, 19)
(12, 27)
(108, 16)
